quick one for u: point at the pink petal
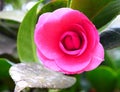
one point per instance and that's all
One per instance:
(70, 72)
(48, 32)
(43, 18)
(98, 57)
(73, 64)
(76, 17)
(50, 16)
(61, 12)
(47, 39)
(91, 34)
(47, 62)
(55, 15)
(73, 17)
(78, 30)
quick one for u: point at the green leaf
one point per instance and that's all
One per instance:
(107, 14)
(110, 38)
(108, 61)
(89, 7)
(53, 5)
(4, 68)
(114, 54)
(100, 12)
(118, 79)
(6, 83)
(103, 79)
(25, 41)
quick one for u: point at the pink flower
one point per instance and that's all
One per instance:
(68, 42)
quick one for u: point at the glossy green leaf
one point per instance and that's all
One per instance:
(103, 79)
(53, 5)
(4, 68)
(25, 41)
(100, 12)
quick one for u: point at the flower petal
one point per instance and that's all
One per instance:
(47, 40)
(47, 62)
(50, 16)
(98, 57)
(76, 17)
(43, 18)
(73, 64)
(48, 33)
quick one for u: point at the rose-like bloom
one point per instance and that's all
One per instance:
(68, 42)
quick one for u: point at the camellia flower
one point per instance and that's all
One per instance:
(68, 42)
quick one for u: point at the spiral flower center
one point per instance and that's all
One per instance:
(72, 42)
